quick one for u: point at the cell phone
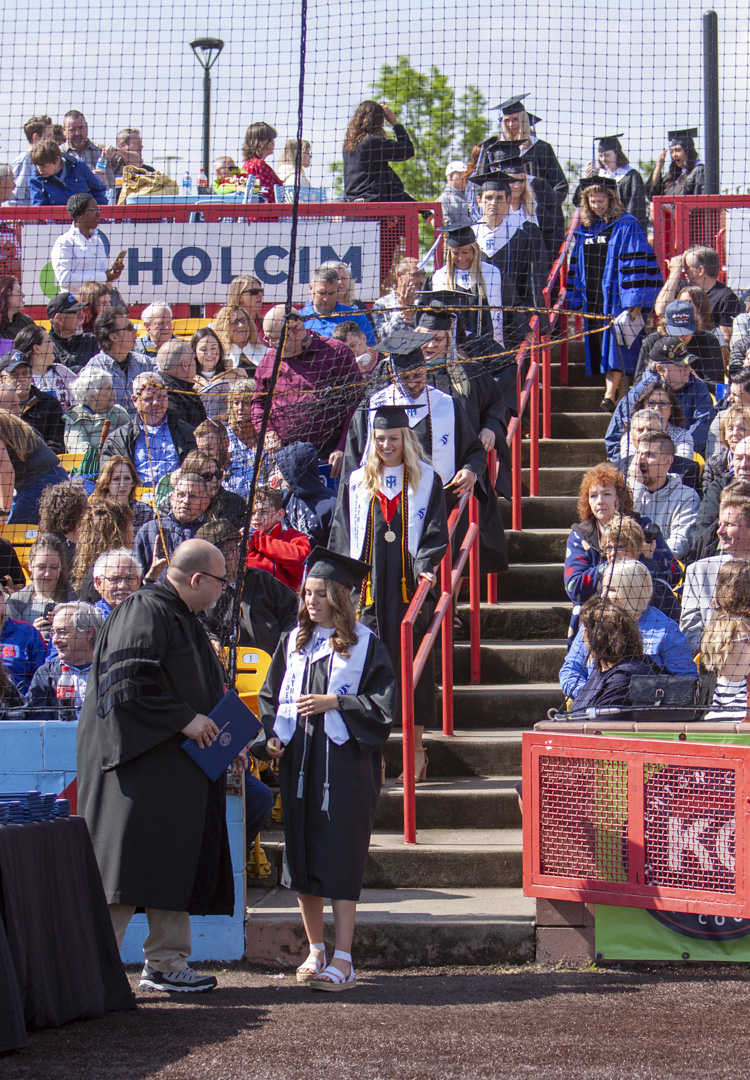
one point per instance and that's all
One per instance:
(121, 256)
(48, 609)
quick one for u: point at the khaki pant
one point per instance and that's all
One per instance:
(169, 941)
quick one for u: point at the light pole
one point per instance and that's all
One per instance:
(206, 52)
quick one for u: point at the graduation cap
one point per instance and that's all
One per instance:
(450, 298)
(405, 347)
(457, 235)
(514, 105)
(492, 180)
(435, 316)
(332, 566)
(607, 182)
(683, 136)
(388, 417)
(609, 142)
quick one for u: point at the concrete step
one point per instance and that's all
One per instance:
(555, 481)
(519, 619)
(577, 398)
(543, 512)
(537, 545)
(512, 661)
(532, 581)
(576, 374)
(466, 802)
(401, 928)
(574, 424)
(504, 705)
(576, 349)
(566, 452)
(467, 754)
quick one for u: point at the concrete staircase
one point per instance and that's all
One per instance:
(456, 896)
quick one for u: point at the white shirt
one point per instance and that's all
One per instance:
(493, 282)
(76, 259)
(492, 240)
(253, 353)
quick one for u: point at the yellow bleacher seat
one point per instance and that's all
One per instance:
(70, 461)
(252, 665)
(144, 494)
(185, 328)
(21, 537)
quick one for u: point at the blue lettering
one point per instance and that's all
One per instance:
(262, 258)
(156, 266)
(303, 266)
(200, 275)
(227, 277)
(353, 259)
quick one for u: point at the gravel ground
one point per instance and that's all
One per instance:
(674, 1023)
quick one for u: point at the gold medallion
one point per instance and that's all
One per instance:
(390, 536)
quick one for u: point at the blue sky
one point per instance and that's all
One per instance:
(589, 68)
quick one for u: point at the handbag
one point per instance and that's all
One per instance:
(137, 181)
(672, 698)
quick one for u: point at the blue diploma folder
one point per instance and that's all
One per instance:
(237, 726)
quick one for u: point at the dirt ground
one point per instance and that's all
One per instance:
(645, 1021)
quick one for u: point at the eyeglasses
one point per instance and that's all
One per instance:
(122, 579)
(127, 326)
(223, 580)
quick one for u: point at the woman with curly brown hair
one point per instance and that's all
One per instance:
(61, 510)
(327, 707)
(613, 270)
(259, 143)
(12, 319)
(106, 525)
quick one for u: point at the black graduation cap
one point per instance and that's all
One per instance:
(609, 142)
(405, 347)
(683, 136)
(332, 566)
(435, 316)
(388, 417)
(492, 180)
(458, 235)
(598, 181)
(450, 298)
(514, 105)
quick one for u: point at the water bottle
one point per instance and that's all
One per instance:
(101, 165)
(187, 183)
(202, 183)
(65, 694)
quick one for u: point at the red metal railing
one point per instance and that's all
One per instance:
(412, 667)
(683, 220)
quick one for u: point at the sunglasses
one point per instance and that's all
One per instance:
(253, 292)
(211, 476)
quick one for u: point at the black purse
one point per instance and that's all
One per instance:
(672, 698)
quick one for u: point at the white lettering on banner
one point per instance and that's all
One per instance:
(195, 262)
(737, 246)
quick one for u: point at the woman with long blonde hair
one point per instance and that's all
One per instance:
(239, 336)
(725, 655)
(391, 514)
(517, 125)
(465, 272)
(327, 706)
(26, 464)
(246, 291)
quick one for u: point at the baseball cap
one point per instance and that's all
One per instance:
(63, 304)
(680, 318)
(455, 166)
(670, 350)
(11, 360)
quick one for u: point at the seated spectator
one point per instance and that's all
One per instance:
(734, 426)
(61, 510)
(739, 394)
(58, 176)
(725, 655)
(118, 479)
(79, 254)
(623, 538)
(74, 630)
(703, 539)
(347, 294)
(452, 198)
(604, 493)
(107, 524)
(12, 319)
(11, 572)
(669, 363)
(260, 139)
(628, 585)
(212, 438)
(701, 576)
(10, 244)
(352, 336)
(398, 307)
(116, 575)
(95, 405)
(224, 504)
(129, 152)
(614, 647)
(323, 312)
(316, 391)
(227, 537)
(246, 292)
(176, 365)
(27, 467)
(227, 175)
(46, 374)
(157, 318)
(21, 645)
(238, 334)
(80, 147)
(681, 319)
(243, 440)
(154, 441)
(701, 266)
(36, 129)
(295, 154)
(95, 296)
(71, 346)
(308, 502)
(38, 408)
(668, 502)
(189, 501)
(214, 375)
(48, 569)
(281, 552)
(115, 334)
(659, 396)
(11, 699)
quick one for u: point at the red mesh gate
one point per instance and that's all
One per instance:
(636, 822)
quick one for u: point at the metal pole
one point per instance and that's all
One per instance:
(206, 122)
(711, 99)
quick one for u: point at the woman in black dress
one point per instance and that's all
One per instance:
(327, 707)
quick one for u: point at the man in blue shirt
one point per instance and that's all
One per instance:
(189, 501)
(22, 647)
(56, 176)
(324, 313)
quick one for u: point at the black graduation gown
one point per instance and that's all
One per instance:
(387, 610)
(523, 260)
(156, 821)
(325, 851)
(693, 183)
(540, 159)
(550, 217)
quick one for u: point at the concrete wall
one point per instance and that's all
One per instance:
(41, 756)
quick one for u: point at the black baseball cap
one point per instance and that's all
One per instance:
(670, 350)
(63, 304)
(11, 360)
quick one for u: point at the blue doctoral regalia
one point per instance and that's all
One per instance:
(631, 278)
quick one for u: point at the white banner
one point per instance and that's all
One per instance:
(737, 245)
(194, 262)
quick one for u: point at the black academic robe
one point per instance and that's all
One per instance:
(540, 160)
(550, 217)
(523, 261)
(325, 850)
(388, 607)
(156, 821)
(692, 183)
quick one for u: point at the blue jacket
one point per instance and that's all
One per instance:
(75, 176)
(663, 642)
(326, 324)
(309, 504)
(22, 651)
(695, 402)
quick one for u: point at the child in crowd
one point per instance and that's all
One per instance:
(228, 179)
(281, 552)
(351, 334)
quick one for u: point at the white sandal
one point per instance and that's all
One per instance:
(313, 965)
(332, 979)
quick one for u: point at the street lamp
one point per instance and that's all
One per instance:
(206, 51)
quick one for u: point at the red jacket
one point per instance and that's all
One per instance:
(281, 552)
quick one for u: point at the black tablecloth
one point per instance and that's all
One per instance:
(58, 954)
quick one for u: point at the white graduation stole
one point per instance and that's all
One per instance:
(433, 403)
(359, 511)
(344, 677)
